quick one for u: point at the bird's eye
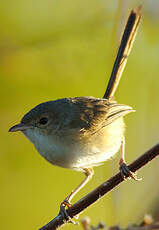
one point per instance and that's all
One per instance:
(43, 121)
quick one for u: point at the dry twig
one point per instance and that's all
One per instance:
(100, 191)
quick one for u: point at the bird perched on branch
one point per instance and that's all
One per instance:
(82, 132)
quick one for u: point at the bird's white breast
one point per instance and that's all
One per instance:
(76, 154)
(47, 146)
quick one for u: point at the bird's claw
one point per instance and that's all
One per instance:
(63, 211)
(66, 203)
(126, 173)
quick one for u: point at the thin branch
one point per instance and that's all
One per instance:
(100, 191)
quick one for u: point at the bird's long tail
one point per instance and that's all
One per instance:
(126, 43)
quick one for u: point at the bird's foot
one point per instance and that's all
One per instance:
(63, 212)
(126, 173)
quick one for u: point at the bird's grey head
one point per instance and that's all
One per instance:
(44, 118)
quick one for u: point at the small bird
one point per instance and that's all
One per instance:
(82, 132)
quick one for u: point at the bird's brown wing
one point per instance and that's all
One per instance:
(91, 114)
(117, 110)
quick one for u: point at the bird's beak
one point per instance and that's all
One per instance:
(19, 127)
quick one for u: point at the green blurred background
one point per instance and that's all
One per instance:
(52, 49)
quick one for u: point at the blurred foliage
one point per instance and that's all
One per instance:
(52, 49)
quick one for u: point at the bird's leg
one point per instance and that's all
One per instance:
(124, 170)
(66, 203)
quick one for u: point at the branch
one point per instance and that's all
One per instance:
(100, 191)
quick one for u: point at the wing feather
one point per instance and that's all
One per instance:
(91, 114)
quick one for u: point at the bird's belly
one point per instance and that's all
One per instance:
(101, 146)
(83, 154)
(77, 156)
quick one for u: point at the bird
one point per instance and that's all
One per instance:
(82, 132)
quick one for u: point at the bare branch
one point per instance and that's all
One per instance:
(100, 191)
